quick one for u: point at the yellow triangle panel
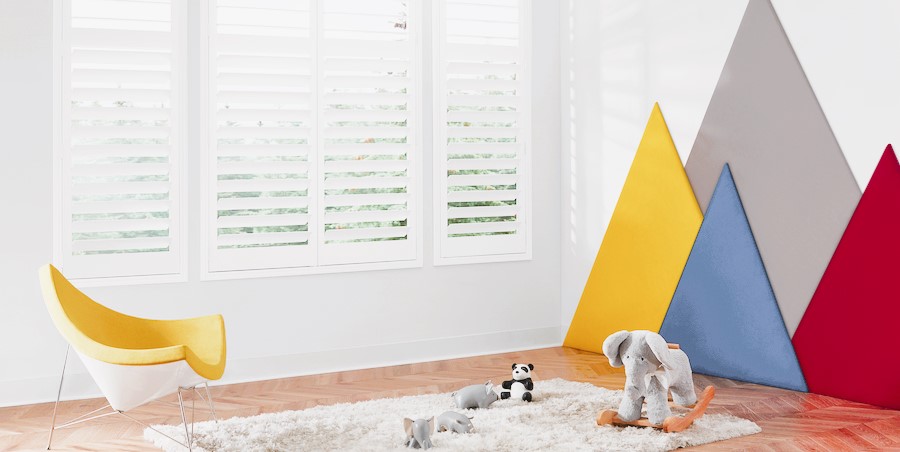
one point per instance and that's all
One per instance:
(645, 248)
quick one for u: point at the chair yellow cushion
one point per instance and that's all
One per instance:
(116, 338)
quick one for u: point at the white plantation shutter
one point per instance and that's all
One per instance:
(368, 148)
(120, 145)
(313, 110)
(261, 123)
(482, 129)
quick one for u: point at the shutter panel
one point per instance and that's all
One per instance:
(262, 130)
(120, 148)
(368, 148)
(482, 129)
(312, 144)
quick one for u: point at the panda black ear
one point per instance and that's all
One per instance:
(514, 366)
(531, 367)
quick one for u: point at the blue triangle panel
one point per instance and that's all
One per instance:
(724, 313)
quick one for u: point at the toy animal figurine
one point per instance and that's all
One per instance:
(451, 421)
(652, 369)
(418, 433)
(520, 386)
(475, 396)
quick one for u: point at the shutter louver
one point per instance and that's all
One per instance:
(122, 104)
(368, 146)
(482, 129)
(261, 89)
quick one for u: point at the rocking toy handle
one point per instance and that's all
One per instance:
(674, 346)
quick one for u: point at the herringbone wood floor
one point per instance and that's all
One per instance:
(790, 421)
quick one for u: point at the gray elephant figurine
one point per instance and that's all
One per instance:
(652, 369)
(418, 433)
(475, 396)
(454, 422)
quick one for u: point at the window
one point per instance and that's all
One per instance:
(313, 134)
(482, 131)
(307, 115)
(119, 146)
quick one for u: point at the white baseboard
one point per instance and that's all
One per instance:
(79, 385)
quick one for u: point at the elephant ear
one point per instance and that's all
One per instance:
(431, 424)
(611, 347)
(660, 349)
(407, 425)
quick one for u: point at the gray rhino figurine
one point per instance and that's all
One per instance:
(475, 396)
(454, 422)
(418, 433)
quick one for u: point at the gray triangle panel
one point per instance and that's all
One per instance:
(797, 189)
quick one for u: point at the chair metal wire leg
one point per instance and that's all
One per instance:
(188, 431)
(187, 434)
(84, 417)
(145, 425)
(62, 376)
(193, 399)
(209, 401)
(209, 405)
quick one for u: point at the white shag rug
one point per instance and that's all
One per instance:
(562, 417)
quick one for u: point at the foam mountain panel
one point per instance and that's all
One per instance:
(852, 322)
(645, 247)
(765, 121)
(724, 314)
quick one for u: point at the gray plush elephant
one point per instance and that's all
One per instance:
(418, 432)
(652, 369)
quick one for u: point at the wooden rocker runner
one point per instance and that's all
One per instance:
(672, 423)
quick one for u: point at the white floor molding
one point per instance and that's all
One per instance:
(79, 384)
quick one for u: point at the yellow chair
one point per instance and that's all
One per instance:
(134, 360)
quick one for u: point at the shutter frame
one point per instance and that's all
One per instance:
(338, 57)
(481, 248)
(82, 65)
(259, 77)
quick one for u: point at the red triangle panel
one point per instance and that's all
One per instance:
(848, 339)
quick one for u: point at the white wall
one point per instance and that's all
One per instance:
(615, 57)
(851, 54)
(276, 326)
(619, 56)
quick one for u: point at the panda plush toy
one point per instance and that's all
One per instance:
(520, 386)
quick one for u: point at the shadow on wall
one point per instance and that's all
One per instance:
(603, 116)
(618, 58)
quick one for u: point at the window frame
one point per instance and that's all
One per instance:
(439, 134)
